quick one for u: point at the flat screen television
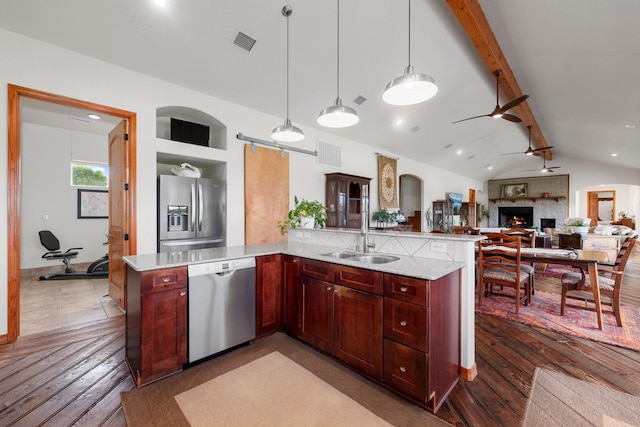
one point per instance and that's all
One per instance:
(189, 132)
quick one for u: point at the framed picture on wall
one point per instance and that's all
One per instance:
(93, 204)
(514, 190)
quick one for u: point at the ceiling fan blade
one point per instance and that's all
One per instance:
(508, 154)
(509, 105)
(470, 118)
(542, 149)
(554, 167)
(512, 118)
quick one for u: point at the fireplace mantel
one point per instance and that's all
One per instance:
(513, 199)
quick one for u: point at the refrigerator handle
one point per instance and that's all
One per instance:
(200, 206)
(193, 207)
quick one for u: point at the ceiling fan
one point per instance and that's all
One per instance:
(530, 151)
(501, 112)
(544, 169)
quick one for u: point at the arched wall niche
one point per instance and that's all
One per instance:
(217, 130)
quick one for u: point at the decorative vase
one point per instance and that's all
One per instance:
(307, 222)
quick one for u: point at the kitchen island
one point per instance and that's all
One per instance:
(425, 289)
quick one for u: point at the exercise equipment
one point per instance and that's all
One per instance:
(98, 269)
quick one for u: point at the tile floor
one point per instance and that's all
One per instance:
(53, 304)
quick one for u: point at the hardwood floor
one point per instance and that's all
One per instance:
(73, 375)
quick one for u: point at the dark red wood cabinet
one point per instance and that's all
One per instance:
(422, 336)
(156, 337)
(268, 294)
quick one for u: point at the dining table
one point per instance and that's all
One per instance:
(586, 260)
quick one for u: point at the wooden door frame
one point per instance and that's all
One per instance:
(597, 196)
(15, 94)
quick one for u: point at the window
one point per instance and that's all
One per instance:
(85, 174)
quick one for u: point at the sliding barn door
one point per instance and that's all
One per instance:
(266, 194)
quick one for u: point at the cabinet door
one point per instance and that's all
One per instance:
(317, 313)
(291, 319)
(268, 294)
(358, 334)
(164, 333)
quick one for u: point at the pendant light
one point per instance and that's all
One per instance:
(410, 88)
(287, 132)
(338, 116)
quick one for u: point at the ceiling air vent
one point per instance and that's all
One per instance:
(415, 129)
(243, 41)
(329, 154)
(360, 99)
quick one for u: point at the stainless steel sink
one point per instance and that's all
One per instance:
(340, 254)
(374, 259)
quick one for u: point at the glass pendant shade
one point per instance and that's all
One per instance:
(338, 116)
(410, 88)
(287, 133)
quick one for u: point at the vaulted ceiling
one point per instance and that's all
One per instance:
(577, 59)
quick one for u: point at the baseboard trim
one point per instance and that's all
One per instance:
(43, 271)
(469, 374)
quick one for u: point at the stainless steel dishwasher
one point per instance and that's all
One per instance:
(222, 306)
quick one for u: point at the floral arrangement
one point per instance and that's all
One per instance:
(399, 217)
(305, 208)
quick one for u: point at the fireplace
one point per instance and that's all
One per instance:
(516, 217)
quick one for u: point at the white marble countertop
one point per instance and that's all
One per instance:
(419, 267)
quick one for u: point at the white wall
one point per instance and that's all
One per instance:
(46, 155)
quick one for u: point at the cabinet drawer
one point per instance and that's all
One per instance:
(406, 323)
(317, 269)
(359, 278)
(405, 369)
(406, 289)
(163, 280)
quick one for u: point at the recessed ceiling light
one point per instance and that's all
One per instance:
(614, 154)
(160, 3)
(489, 167)
(630, 126)
(93, 116)
(398, 122)
(459, 152)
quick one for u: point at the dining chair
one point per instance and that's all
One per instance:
(500, 237)
(577, 285)
(499, 264)
(465, 229)
(527, 240)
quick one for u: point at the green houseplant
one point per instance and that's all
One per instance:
(382, 216)
(303, 209)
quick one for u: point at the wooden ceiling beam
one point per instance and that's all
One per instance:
(475, 24)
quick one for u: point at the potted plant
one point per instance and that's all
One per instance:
(382, 216)
(301, 214)
(580, 226)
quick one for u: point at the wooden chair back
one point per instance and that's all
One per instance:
(499, 264)
(528, 237)
(465, 229)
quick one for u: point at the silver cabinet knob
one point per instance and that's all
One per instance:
(403, 369)
(403, 323)
(183, 293)
(166, 280)
(403, 289)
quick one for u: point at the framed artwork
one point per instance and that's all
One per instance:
(93, 204)
(388, 182)
(514, 190)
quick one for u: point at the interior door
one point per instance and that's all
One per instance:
(118, 238)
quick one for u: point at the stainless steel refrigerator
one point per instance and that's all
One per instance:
(191, 213)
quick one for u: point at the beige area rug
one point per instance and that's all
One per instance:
(272, 390)
(156, 404)
(559, 400)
